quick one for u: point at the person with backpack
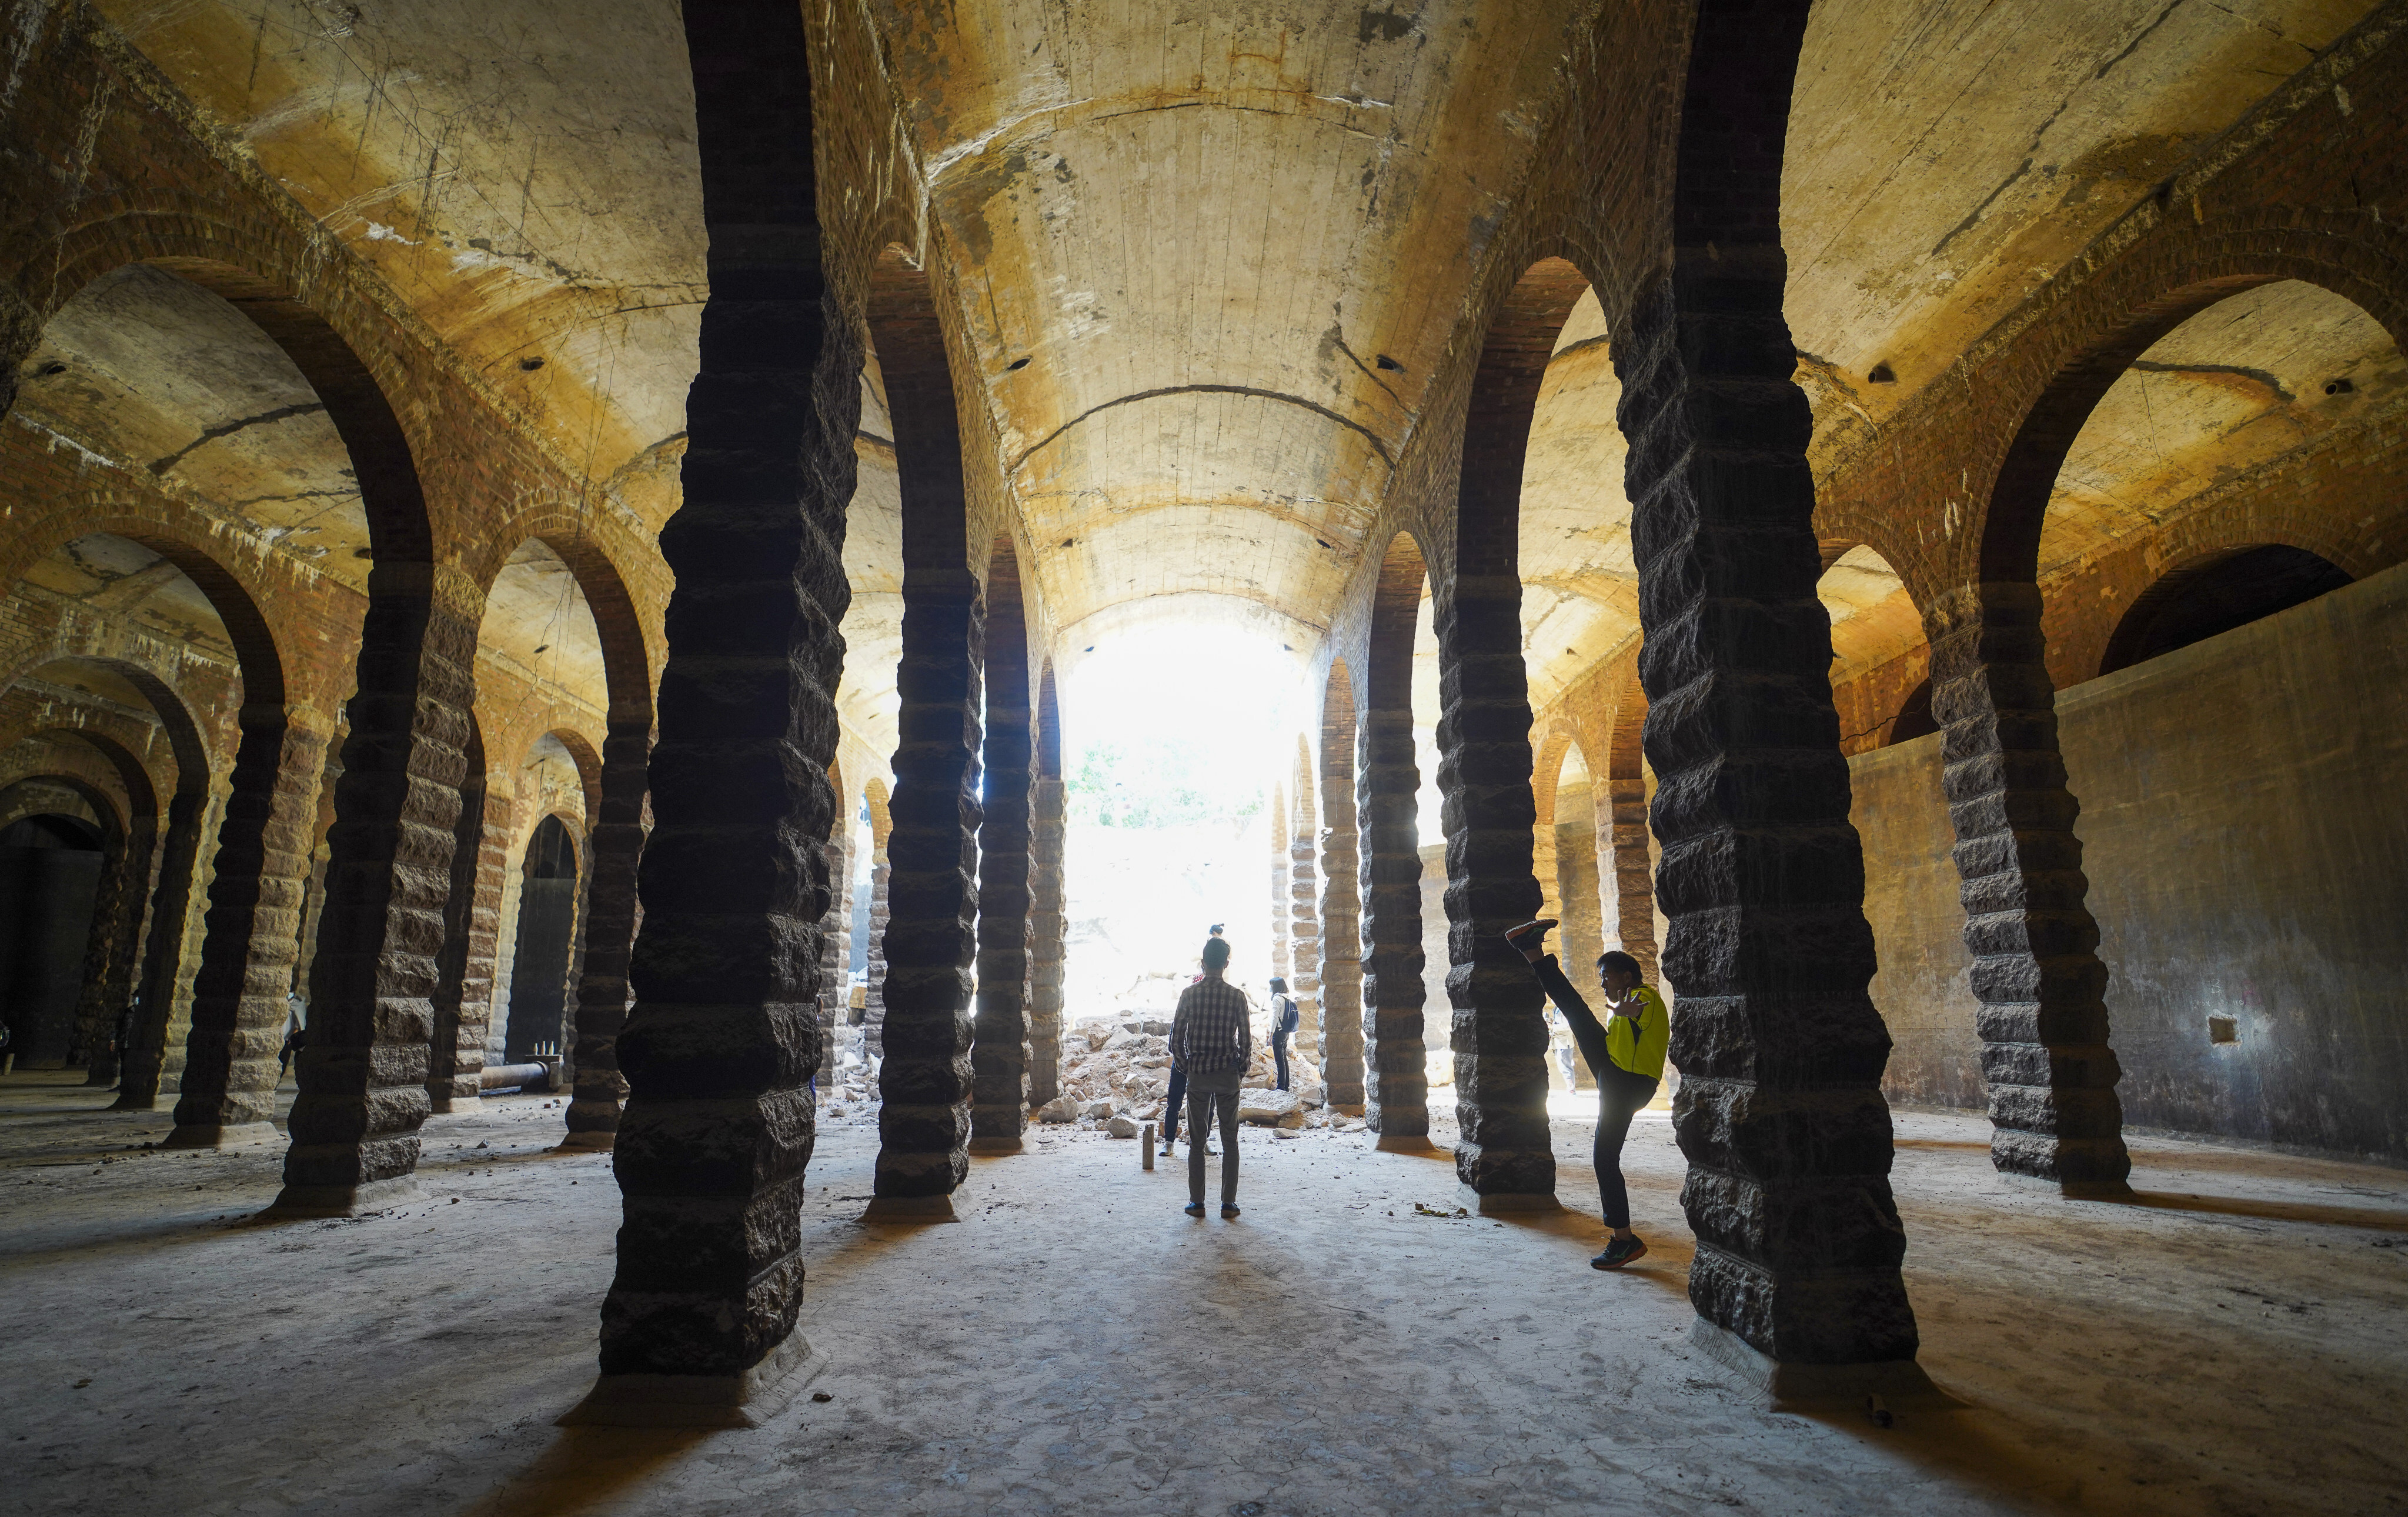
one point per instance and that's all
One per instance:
(1283, 1024)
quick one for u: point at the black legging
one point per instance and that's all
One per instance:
(1278, 1051)
(1620, 1093)
(1177, 1103)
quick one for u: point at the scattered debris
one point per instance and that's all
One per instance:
(822, 1396)
(1421, 1211)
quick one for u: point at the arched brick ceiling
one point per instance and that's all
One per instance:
(522, 172)
(172, 383)
(538, 627)
(113, 575)
(1203, 226)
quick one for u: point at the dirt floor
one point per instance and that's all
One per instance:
(2235, 1342)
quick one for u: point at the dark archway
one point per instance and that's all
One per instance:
(1913, 718)
(546, 938)
(50, 866)
(2214, 594)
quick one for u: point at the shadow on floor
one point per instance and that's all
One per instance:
(590, 1471)
(2385, 1220)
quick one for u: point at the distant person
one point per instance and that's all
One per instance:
(1210, 1044)
(296, 1032)
(1284, 1017)
(1626, 1057)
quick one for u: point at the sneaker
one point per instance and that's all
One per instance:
(1195, 1209)
(1534, 932)
(1228, 1208)
(1167, 1150)
(1619, 1252)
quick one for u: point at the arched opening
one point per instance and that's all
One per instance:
(1878, 653)
(2218, 593)
(50, 880)
(547, 935)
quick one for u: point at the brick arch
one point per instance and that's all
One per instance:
(236, 594)
(2067, 365)
(110, 810)
(626, 654)
(312, 319)
(2128, 621)
(580, 753)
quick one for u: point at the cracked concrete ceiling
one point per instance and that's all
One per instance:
(1230, 244)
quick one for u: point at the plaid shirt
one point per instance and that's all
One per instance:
(1211, 1029)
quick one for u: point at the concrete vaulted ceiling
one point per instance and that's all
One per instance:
(1208, 258)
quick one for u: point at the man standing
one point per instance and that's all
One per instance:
(1284, 1017)
(1210, 1044)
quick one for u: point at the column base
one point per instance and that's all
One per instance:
(1406, 1143)
(910, 1208)
(344, 1200)
(1900, 1383)
(1346, 1108)
(996, 1144)
(588, 1143)
(1508, 1203)
(235, 1135)
(746, 1400)
(2070, 1189)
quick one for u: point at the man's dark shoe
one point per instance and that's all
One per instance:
(1195, 1209)
(1619, 1252)
(1228, 1208)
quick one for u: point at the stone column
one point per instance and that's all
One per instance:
(464, 966)
(115, 943)
(249, 935)
(1779, 1111)
(607, 928)
(836, 931)
(1548, 867)
(1282, 872)
(2054, 1115)
(1506, 1155)
(1388, 790)
(363, 1076)
(873, 1016)
(1341, 915)
(932, 892)
(1304, 926)
(158, 968)
(1047, 907)
(698, 1326)
(1576, 871)
(1000, 1053)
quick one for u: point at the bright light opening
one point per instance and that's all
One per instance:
(1175, 747)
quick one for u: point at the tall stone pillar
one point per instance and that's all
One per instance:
(836, 930)
(1577, 895)
(698, 1326)
(1282, 870)
(607, 929)
(1048, 905)
(363, 1075)
(1000, 1053)
(881, 870)
(924, 1117)
(1341, 915)
(464, 969)
(161, 961)
(115, 942)
(1779, 1111)
(1506, 1155)
(1304, 922)
(2052, 1074)
(249, 930)
(1388, 790)
(1548, 867)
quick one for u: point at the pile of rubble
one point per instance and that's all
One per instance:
(1116, 1073)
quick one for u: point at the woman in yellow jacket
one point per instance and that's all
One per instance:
(1627, 1056)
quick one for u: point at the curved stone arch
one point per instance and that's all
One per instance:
(2130, 621)
(595, 563)
(110, 809)
(2183, 542)
(121, 908)
(238, 594)
(2056, 371)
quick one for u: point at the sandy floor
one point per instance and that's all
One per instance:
(2237, 1343)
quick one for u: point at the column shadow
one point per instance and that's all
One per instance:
(590, 1471)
